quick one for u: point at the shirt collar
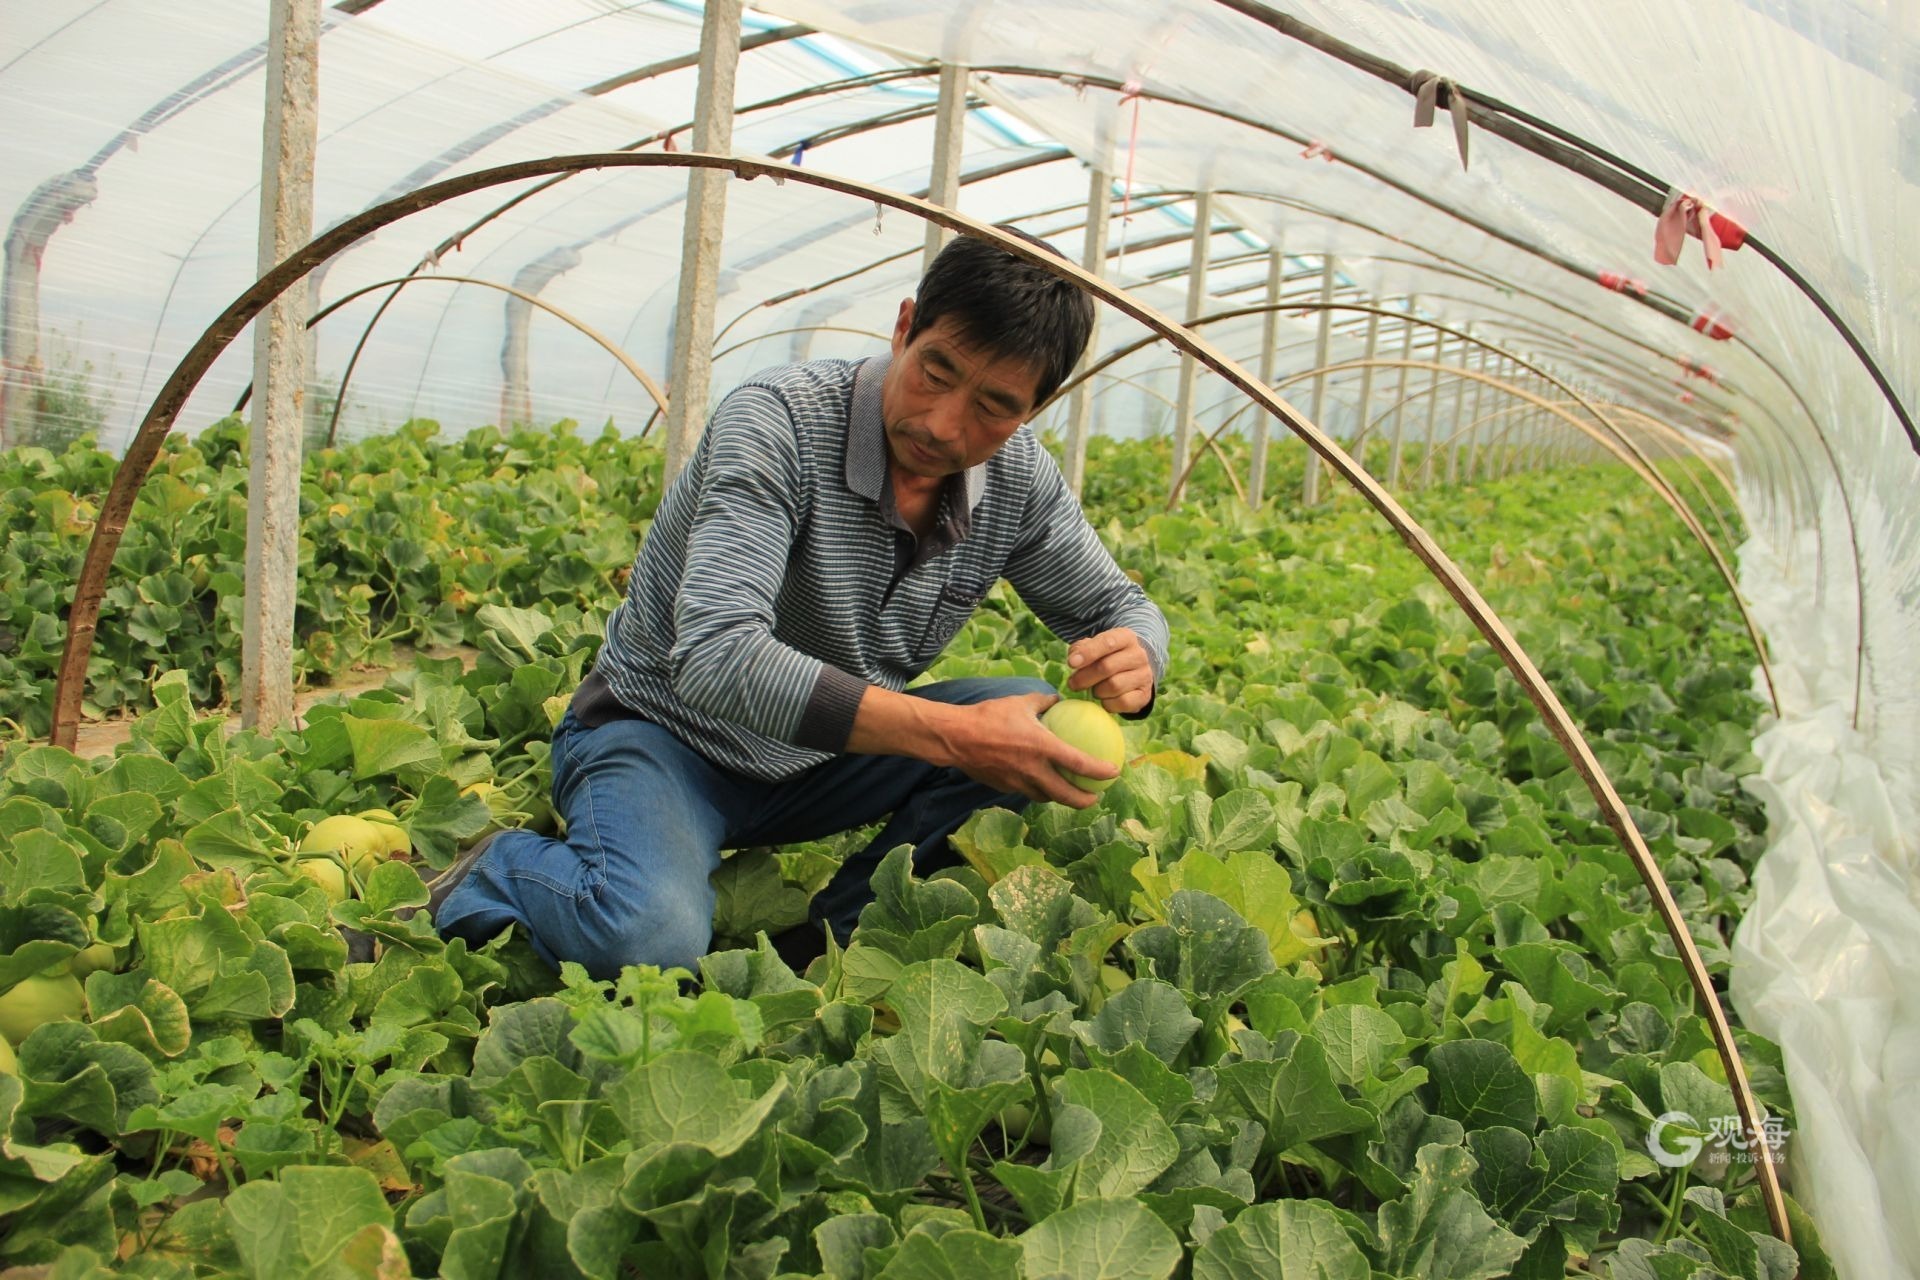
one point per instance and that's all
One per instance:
(867, 460)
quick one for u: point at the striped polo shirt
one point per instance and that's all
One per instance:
(777, 581)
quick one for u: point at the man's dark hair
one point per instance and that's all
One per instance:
(1007, 305)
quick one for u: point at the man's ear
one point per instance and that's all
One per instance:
(901, 324)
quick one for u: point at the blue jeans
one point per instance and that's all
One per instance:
(647, 817)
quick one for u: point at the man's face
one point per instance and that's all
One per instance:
(949, 405)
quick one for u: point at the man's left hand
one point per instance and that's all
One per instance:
(1114, 665)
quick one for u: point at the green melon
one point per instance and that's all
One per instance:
(1089, 727)
(40, 999)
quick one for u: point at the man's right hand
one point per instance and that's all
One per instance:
(1003, 744)
(1000, 742)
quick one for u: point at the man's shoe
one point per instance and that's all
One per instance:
(441, 887)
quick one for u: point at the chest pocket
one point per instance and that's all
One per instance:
(951, 609)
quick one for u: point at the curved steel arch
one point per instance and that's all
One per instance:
(1644, 468)
(633, 367)
(138, 461)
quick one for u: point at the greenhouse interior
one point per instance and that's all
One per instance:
(542, 541)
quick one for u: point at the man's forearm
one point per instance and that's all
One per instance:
(897, 724)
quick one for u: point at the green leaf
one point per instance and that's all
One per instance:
(1556, 974)
(1135, 1145)
(305, 1223)
(1567, 1174)
(443, 820)
(1145, 1012)
(945, 1010)
(1359, 1041)
(70, 1074)
(1294, 1095)
(993, 842)
(511, 635)
(844, 1240)
(36, 937)
(1284, 1240)
(1438, 1231)
(389, 747)
(960, 1254)
(1244, 820)
(1478, 1083)
(134, 1009)
(913, 919)
(686, 1097)
(751, 896)
(1205, 947)
(1101, 1240)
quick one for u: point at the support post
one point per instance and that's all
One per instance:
(1366, 382)
(1433, 407)
(1400, 397)
(1269, 349)
(1459, 407)
(701, 237)
(1189, 367)
(1473, 416)
(1323, 340)
(279, 367)
(1540, 424)
(516, 389)
(52, 204)
(949, 148)
(1093, 257)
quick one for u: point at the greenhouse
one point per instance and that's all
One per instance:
(910, 641)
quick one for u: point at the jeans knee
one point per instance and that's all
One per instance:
(615, 934)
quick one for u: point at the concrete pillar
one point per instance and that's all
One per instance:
(279, 367)
(1189, 367)
(702, 236)
(1094, 258)
(1433, 407)
(516, 390)
(1269, 344)
(1400, 398)
(1473, 414)
(1459, 404)
(52, 204)
(949, 148)
(1322, 343)
(1366, 382)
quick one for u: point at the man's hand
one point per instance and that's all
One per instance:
(1003, 744)
(1000, 742)
(1115, 666)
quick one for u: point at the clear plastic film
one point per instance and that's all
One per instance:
(1798, 120)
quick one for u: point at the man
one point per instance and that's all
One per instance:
(837, 525)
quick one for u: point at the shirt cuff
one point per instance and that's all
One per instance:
(1147, 710)
(827, 722)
